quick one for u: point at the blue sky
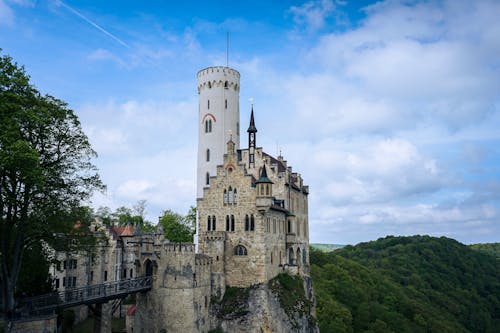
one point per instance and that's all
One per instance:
(389, 110)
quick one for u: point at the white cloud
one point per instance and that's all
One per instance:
(6, 14)
(312, 14)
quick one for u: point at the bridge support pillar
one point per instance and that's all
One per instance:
(102, 315)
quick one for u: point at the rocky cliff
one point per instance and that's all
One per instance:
(285, 304)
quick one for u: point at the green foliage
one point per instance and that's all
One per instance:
(176, 227)
(34, 278)
(46, 171)
(406, 284)
(290, 292)
(488, 248)
(234, 304)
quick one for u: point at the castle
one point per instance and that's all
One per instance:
(252, 224)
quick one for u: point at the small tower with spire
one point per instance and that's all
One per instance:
(252, 140)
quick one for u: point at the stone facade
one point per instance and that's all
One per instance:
(253, 219)
(252, 225)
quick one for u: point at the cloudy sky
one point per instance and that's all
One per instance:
(389, 110)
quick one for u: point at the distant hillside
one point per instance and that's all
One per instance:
(407, 284)
(326, 247)
(489, 248)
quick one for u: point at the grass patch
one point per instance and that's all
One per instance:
(291, 295)
(234, 304)
(216, 330)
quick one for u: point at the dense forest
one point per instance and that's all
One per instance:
(407, 284)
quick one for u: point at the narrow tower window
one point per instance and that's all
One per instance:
(213, 222)
(230, 192)
(209, 224)
(208, 155)
(226, 103)
(235, 196)
(225, 85)
(232, 222)
(246, 223)
(208, 104)
(252, 223)
(207, 178)
(225, 196)
(227, 222)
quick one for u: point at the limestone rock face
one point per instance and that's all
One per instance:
(264, 314)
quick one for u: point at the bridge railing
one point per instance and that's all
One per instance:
(83, 295)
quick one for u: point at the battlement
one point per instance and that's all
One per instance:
(202, 260)
(178, 247)
(218, 76)
(214, 235)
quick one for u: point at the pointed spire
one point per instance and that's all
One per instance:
(263, 177)
(252, 128)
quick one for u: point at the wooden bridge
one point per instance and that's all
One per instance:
(88, 295)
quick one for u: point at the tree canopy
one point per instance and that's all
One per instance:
(407, 284)
(46, 171)
(178, 228)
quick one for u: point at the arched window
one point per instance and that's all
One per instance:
(226, 84)
(304, 257)
(230, 192)
(227, 222)
(208, 155)
(291, 258)
(240, 250)
(235, 196)
(252, 223)
(209, 223)
(225, 196)
(232, 222)
(213, 222)
(210, 125)
(206, 126)
(247, 223)
(207, 179)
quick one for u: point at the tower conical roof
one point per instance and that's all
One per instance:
(263, 177)
(252, 128)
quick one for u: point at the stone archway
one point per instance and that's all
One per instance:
(148, 267)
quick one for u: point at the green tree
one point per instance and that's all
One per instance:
(45, 171)
(176, 227)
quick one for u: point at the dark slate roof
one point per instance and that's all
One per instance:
(281, 166)
(252, 128)
(263, 177)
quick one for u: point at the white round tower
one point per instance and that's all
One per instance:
(218, 119)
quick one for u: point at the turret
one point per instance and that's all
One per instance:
(218, 116)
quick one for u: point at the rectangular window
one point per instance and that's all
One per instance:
(65, 263)
(57, 283)
(105, 276)
(74, 281)
(64, 281)
(91, 276)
